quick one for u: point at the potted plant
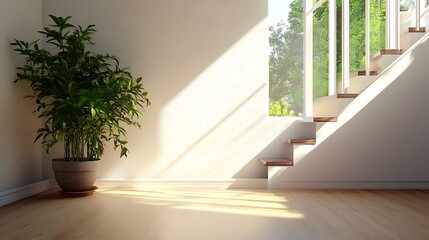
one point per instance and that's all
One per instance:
(84, 99)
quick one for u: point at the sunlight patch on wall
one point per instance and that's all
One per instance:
(220, 120)
(214, 117)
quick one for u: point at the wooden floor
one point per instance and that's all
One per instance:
(220, 214)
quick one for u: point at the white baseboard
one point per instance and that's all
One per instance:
(19, 193)
(248, 183)
(16, 194)
(389, 184)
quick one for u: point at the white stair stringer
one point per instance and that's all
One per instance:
(379, 85)
(346, 110)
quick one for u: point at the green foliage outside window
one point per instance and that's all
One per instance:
(281, 108)
(286, 55)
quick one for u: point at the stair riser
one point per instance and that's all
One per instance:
(409, 39)
(330, 106)
(359, 84)
(299, 152)
(320, 126)
(274, 177)
(380, 63)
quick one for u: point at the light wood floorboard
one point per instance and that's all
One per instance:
(220, 214)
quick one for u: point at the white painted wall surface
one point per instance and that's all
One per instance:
(20, 160)
(205, 65)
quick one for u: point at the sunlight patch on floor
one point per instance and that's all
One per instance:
(255, 203)
(246, 211)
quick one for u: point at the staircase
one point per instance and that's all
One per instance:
(333, 111)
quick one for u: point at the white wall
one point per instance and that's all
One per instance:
(20, 160)
(205, 65)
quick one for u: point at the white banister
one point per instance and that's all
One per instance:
(422, 13)
(367, 38)
(332, 47)
(308, 59)
(346, 45)
(417, 15)
(392, 25)
(397, 35)
(388, 9)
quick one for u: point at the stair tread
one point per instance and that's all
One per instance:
(347, 95)
(371, 73)
(311, 141)
(276, 162)
(391, 51)
(415, 30)
(325, 119)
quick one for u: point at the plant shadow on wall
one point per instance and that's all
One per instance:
(84, 99)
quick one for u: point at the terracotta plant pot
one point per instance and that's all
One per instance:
(75, 176)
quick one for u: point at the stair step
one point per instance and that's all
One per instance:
(273, 162)
(391, 52)
(371, 73)
(310, 141)
(347, 95)
(415, 30)
(324, 119)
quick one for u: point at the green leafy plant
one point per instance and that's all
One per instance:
(83, 97)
